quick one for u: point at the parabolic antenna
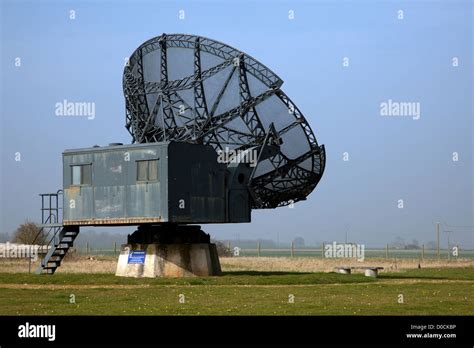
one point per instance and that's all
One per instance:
(193, 89)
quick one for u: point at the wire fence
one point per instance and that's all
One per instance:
(368, 253)
(291, 251)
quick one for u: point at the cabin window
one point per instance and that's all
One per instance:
(82, 174)
(147, 170)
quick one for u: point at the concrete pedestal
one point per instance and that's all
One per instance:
(343, 270)
(371, 272)
(169, 260)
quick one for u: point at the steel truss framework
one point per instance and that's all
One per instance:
(287, 179)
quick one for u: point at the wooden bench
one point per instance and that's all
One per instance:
(368, 270)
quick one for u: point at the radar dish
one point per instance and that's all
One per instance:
(194, 89)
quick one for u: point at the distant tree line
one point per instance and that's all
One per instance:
(28, 232)
(100, 240)
(400, 244)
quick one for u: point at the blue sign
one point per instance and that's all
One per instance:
(136, 256)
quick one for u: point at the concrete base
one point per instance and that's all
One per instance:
(371, 272)
(344, 270)
(170, 260)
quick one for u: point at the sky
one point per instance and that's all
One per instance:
(385, 177)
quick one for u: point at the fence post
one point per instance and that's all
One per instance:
(322, 250)
(228, 245)
(258, 248)
(422, 252)
(292, 249)
(87, 248)
(437, 237)
(115, 248)
(386, 251)
(29, 264)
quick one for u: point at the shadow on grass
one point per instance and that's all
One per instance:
(262, 273)
(395, 276)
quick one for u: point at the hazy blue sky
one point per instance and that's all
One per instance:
(390, 158)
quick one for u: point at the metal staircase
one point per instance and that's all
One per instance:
(61, 237)
(60, 244)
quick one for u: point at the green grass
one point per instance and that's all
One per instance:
(438, 292)
(461, 273)
(228, 278)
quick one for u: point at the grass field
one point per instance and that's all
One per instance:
(433, 291)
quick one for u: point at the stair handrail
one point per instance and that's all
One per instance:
(51, 215)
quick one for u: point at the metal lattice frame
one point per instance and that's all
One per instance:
(172, 118)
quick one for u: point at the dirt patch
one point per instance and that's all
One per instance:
(313, 264)
(262, 264)
(142, 286)
(65, 286)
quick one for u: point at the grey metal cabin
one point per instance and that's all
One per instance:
(150, 183)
